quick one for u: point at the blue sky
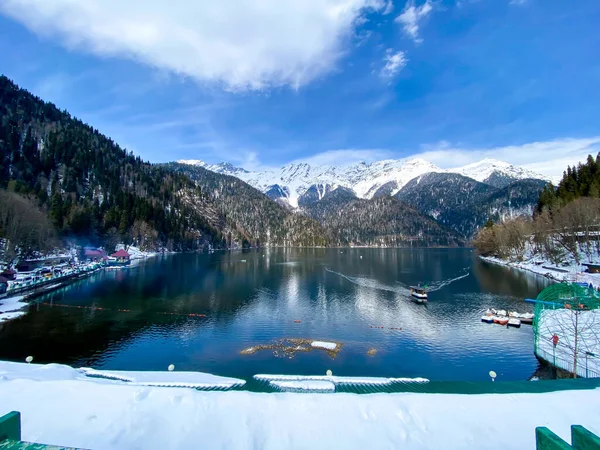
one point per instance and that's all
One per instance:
(329, 81)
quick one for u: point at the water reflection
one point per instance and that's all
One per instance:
(259, 296)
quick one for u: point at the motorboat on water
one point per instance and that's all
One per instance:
(419, 293)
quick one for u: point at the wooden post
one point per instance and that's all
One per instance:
(10, 426)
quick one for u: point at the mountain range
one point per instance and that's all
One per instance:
(92, 190)
(291, 182)
(461, 199)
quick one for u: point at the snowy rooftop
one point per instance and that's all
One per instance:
(60, 406)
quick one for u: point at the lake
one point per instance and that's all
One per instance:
(200, 311)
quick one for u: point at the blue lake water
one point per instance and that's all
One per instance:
(149, 316)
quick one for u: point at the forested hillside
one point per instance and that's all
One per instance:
(564, 226)
(464, 205)
(89, 186)
(260, 220)
(580, 181)
(384, 222)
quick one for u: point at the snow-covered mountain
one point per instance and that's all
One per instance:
(497, 173)
(292, 181)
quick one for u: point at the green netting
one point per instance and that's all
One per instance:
(566, 328)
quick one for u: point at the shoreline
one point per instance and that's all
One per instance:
(568, 274)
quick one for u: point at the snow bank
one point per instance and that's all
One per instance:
(10, 308)
(325, 345)
(116, 415)
(60, 372)
(571, 272)
(304, 386)
(135, 252)
(339, 380)
(175, 379)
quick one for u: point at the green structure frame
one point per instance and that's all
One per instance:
(566, 302)
(581, 439)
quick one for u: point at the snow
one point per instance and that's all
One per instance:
(306, 385)
(135, 252)
(183, 379)
(325, 345)
(112, 415)
(574, 272)
(10, 308)
(45, 372)
(483, 169)
(364, 179)
(339, 380)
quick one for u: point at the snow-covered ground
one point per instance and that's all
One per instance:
(60, 408)
(11, 308)
(573, 272)
(135, 252)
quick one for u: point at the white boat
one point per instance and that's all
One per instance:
(487, 319)
(419, 293)
(512, 322)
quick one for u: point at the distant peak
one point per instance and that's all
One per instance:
(192, 162)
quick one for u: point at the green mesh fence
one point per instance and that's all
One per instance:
(567, 328)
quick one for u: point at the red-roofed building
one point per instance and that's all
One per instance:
(121, 258)
(9, 274)
(93, 254)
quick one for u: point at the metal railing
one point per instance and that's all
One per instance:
(583, 360)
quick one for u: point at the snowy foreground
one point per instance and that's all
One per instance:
(61, 407)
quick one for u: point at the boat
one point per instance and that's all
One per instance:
(526, 318)
(487, 319)
(512, 322)
(523, 317)
(419, 293)
(500, 320)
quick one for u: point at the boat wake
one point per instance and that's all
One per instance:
(437, 285)
(372, 284)
(402, 289)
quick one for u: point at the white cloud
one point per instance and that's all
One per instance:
(389, 7)
(243, 44)
(394, 62)
(411, 18)
(550, 158)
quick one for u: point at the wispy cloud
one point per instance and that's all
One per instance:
(518, 2)
(411, 18)
(237, 43)
(389, 8)
(394, 62)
